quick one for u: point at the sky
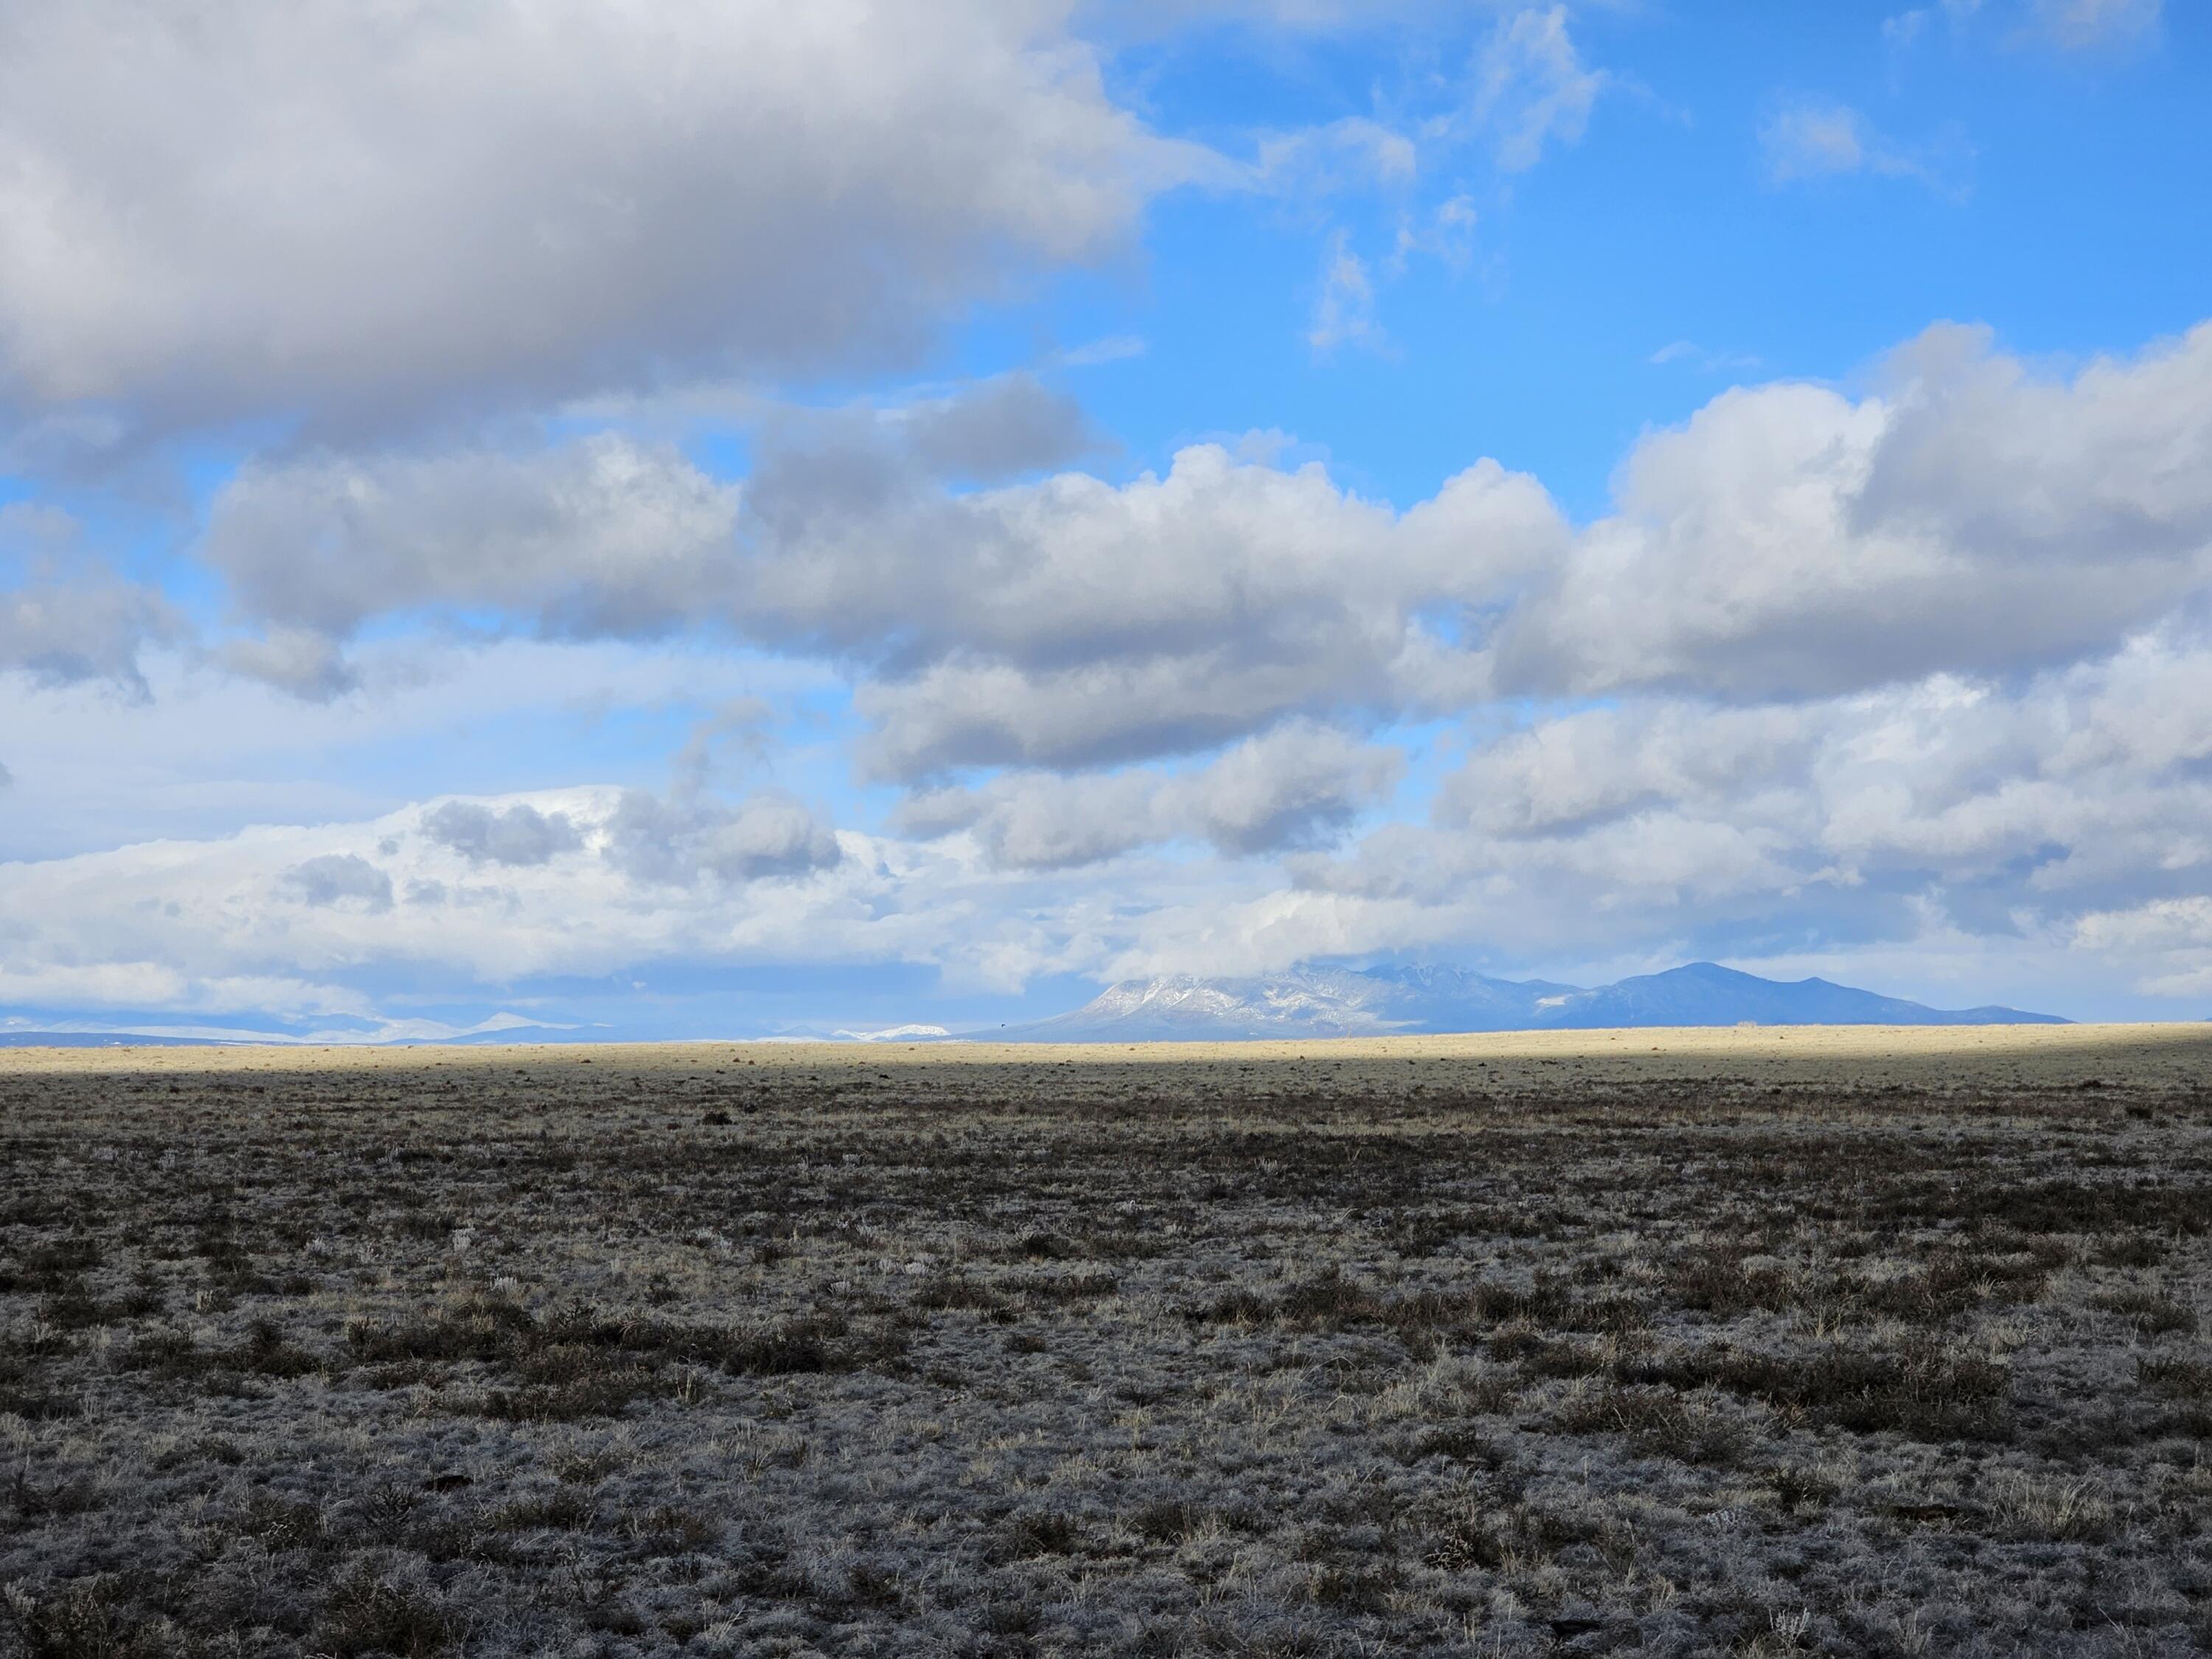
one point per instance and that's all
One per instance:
(735, 520)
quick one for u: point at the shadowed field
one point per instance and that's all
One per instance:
(1760, 1341)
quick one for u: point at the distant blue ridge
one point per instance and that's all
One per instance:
(1430, 1001)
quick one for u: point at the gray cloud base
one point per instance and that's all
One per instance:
(519, 835)
(268, 207)
(1298, 785)
(338, 878)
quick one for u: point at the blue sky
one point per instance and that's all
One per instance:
(797, 525)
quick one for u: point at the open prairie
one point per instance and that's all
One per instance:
(1741, 1341)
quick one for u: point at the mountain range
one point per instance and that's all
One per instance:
(1323, 1002)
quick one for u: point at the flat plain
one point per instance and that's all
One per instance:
(1747, 1341)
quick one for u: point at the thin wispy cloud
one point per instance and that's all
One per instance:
(1690, 354)
(2066, 26)
(2095, 25)
(1805, 139)
(1344, 311)
(1531, 89)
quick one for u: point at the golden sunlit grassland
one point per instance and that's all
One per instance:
(1747, 1341)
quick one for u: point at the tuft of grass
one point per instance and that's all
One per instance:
(88, 1620)
(1036, 1532)
(579, 1361)
(2178, 1377)
(2152, 1312)
(1923, 1391)
(1660, 1422)
(364, 1614)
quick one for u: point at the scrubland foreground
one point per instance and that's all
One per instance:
(1746, 1342)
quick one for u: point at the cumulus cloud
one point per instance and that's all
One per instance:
(91, 627)
(307, 664)
(1293, 787)
(1592, 766)
(2175, 933)
(1922, 657)
(517, 835)
(275, 207)
(999, 429)
(65, 618)
(340, 878)
(2059, 812)
(1079, 624)
(297, 914)
(137, 987)
(1065, 622)
(603, 536)
(673, 841)
(1973, 515)
(2043, 818)
(2106, 467)
(1790, 541)
(1044, 820)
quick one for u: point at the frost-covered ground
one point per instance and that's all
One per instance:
(1746, 1342)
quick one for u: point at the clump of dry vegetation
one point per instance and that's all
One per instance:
(727, 1351)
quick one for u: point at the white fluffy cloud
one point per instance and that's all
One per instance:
(1066, 621)
(203, 751)
(1297, 784)
(272, 205)
(601, 536)
(1791, 541)
(673, 843)
(641, 878)
(2004, 826)
(2055, 809)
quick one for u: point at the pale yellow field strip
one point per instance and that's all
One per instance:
(2162, 1055)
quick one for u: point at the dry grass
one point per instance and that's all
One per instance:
(1765, 1342)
